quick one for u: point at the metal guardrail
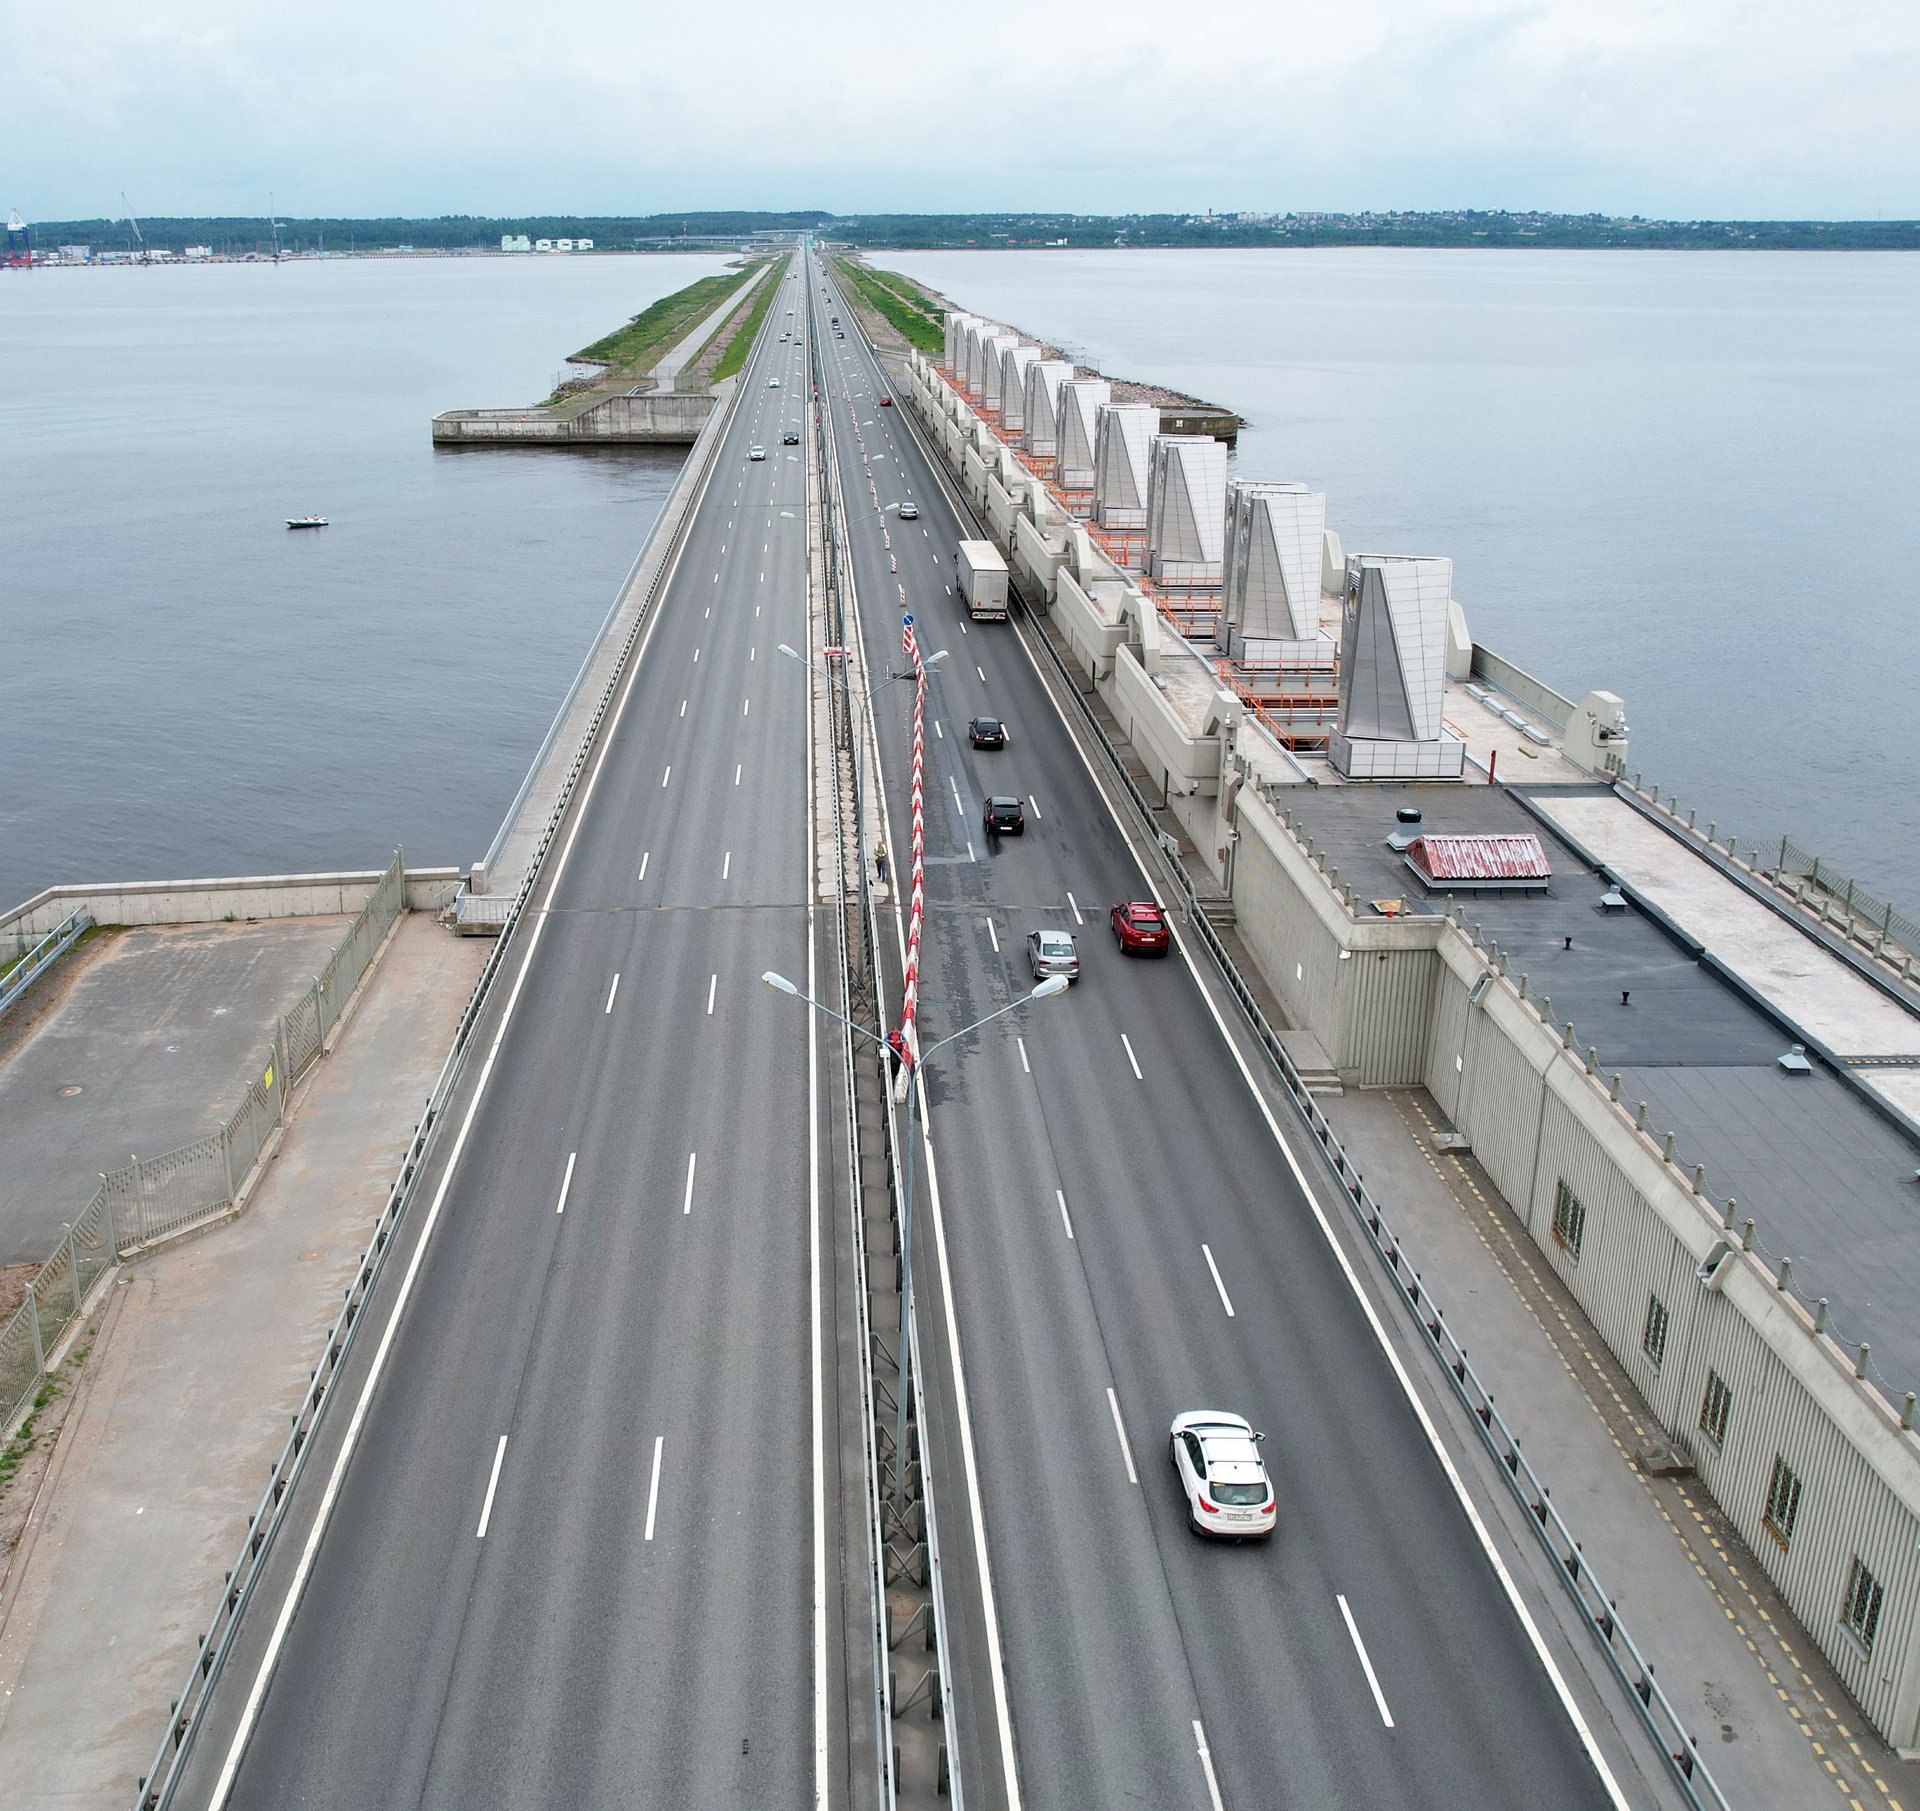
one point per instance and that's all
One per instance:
(1874, 926)
(163, 1776)
(43, 956)
(156, 1198)
(951, 1784)
(1596, 1607)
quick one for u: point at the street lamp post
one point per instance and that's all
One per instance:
(1046, 990)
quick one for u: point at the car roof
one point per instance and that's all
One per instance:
(986, 720)
(1002, 798)
(1054, 936)
(1140, 908)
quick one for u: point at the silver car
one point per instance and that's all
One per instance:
(1052, 953)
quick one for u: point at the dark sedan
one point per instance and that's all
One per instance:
(1004, 816)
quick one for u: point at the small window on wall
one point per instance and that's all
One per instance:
(1715, 1407)
(1653, 1336)
(1569, 1219)
(1783, 1502)
(1860, 1613)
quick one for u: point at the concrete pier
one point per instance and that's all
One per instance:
(661, 418)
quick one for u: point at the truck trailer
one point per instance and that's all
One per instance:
(982, 576)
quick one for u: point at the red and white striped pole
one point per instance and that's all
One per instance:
(917, 898)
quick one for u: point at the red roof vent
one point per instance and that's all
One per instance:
(1464, 863)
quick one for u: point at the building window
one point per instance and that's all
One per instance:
(1715, 1407)
(1653, 1336)
(1569, 1219)
(1783, 1502)
(1861, 1610)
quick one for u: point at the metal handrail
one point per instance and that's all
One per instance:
(44, 955)
(163, 1777)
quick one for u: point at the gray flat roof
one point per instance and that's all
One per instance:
(1828, 1178)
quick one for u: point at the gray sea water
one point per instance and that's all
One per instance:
(1691, 478)
(188, 688)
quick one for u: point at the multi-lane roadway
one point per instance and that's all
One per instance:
(1126, 1239)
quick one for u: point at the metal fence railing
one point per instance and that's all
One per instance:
(153, 1198)
(1597, 1608)
(1870, 924)
(43, 956)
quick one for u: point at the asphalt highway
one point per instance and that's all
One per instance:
(1126, 1241)
(572, 1561)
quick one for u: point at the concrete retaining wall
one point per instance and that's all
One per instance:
(668, 418)
(214, 901)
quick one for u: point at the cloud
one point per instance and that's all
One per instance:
(1727, 107)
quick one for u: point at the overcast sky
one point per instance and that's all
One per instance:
(1659, 107)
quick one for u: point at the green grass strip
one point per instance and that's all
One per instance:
(735, 356)
(664, 323)
(921, 321)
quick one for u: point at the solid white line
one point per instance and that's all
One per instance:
(1206, 1764)
(614, 989)
(493, 1484)
(746, 706)
(256, 1692)
(1065, 1220)
(726, 865)
(1071, 901)
(653, 1489)
(696, 657)
(736, 775)
(566, 1182)
(1582, 1730)
(750, 653)
(993, 937)
(982, 671)
(963, 628)
(1033, 805)
(683, 707)
(713, 987)
(1131, 1058)
(1225, 1301)
(1024, 1064)
(1120, 1428)
(1360, 1648)
(938, 731)
(686, 1207)
(644, 854)
(665, 777)
(970, 854)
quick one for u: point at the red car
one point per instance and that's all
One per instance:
(1141, 928)
(886, 402)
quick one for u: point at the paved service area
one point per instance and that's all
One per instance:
(1775, 1725)
(142, 1042)
(194, 1365)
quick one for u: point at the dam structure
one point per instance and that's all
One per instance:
(763, 1372)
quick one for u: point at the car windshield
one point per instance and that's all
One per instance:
(1238, 1494)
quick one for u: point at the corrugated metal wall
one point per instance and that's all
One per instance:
(1385, 1013)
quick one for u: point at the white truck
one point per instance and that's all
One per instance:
(981, 576)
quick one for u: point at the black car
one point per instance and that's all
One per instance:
(1004, 816)
(791, 437)
(987, 732)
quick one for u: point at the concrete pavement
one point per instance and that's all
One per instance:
(194, 1364)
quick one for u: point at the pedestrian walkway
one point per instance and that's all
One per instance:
(193, 1368)
(1774, 1724)
(667, 369)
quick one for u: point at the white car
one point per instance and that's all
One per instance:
(756, 452)
(1216, 1456)
(773, 383)
(1052, 953)
(909, 512)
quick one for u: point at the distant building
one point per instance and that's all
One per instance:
(563, 245)
(515, 242)
(159, 254)
(76, 254)
(199, 251)
(543, 245)
(583, 245)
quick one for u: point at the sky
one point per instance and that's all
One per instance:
(1670, 108)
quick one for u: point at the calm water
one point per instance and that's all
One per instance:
(1690, 478)
(188, 688)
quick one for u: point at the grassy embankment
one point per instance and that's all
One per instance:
(903, 304)
(628, 353)
(734, 359)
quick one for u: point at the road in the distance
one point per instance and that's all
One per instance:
(572, 1563)
(1126, 1242)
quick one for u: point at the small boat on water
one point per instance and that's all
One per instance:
(306, 521)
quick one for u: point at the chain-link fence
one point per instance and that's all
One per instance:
(153, 1198)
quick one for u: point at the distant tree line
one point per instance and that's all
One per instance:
(240, 234)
